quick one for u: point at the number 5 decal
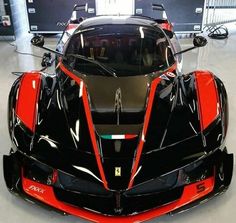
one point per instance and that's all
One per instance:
(200, 187)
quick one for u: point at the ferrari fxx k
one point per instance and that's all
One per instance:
(118, 133)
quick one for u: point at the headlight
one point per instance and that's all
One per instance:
(154, 186)
(40, 172)
(197, 171)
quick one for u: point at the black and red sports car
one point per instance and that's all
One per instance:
(118, 133)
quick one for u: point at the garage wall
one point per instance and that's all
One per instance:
(114, 7)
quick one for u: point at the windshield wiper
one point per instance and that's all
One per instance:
(104, 67)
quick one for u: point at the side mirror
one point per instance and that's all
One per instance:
(37, 41)
(199, 41)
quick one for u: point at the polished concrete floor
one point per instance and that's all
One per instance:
(219, 56)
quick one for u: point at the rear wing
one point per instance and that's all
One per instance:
(155, 11)
(83, 11)
(86, 9)
(151, 9)
(145, 8)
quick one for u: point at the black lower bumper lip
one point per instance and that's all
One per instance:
(223, 174)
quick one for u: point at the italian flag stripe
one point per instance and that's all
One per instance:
(126, 136)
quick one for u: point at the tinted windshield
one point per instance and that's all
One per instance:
(125, 49)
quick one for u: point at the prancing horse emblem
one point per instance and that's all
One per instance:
(118, 104)
(118, 171)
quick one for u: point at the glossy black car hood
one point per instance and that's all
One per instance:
(173, 139)
(174, 114)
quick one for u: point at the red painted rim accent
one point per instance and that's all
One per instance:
(208, 98)
(90, 123)
(45, 194)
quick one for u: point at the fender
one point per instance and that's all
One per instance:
(207, 97)
(27, 99)
(27, 105)
(29, 96)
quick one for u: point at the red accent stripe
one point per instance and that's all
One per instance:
(45, 194)
(93, 136)
(28, 95)
(130, 136)
(145, 125)
(69, 73)
(90, 123)
(208, 99)
(172, 68)
(71, 26)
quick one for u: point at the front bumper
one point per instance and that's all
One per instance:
(189, 195)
